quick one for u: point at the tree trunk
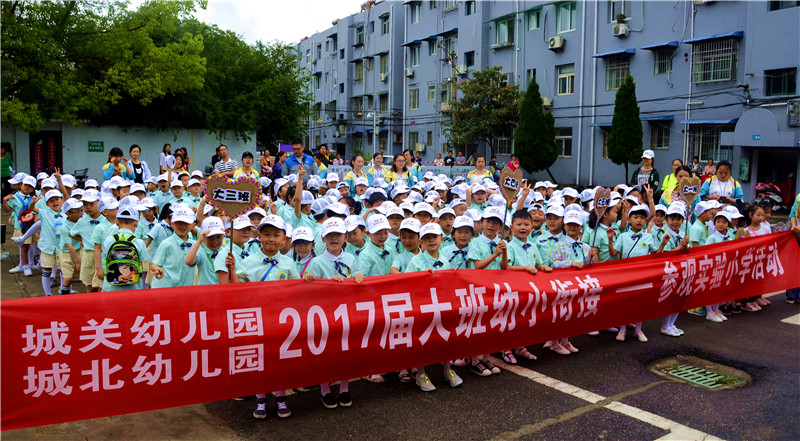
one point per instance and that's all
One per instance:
(625, 181)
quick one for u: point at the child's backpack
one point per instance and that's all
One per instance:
(123, 265)
(26, 217)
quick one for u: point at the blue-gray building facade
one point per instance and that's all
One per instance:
(715, 79)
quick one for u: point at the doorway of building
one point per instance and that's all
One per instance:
(45, 151)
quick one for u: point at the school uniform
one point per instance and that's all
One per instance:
(698, 232)
(658, 232)
(84, 229)
(481, 247)
(252, 245)
(375, 261)
(302, 264)
(192, 200)
(49, 236)
(259, 267)
(18, 203)
(65, 261)
(355, 250)
(675, 239)
(171, 257)
(547, 243)
(477, 206)
(456, 257)
(326, 265)
(717, 237)
(401, 260)
(600, 240)
(144, 228)
(423, 260)
(158, 234)
(141, 249)
(569, 251)
(305, 220)
(630, 244)
(239, 254)
(205, 258)
(523, 253)
(160, 198)
(184, 199)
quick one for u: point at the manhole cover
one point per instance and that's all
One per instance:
(700, 372)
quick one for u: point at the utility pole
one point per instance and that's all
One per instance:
(374, 132)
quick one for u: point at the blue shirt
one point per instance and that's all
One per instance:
(171, 257)
(327, 265)
(456, 257)
(631, 244)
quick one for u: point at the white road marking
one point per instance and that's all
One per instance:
(677, 431)
(773, 294)
(636, 287)
(793, 320)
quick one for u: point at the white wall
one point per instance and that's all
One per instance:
(199, 143)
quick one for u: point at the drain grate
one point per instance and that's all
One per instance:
(698, 376)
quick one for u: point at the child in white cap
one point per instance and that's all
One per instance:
(69, 248)
(356, 235)
(675, 239)
(302, 248)
(227, 261)
(206, 249)
(122, 266)
(168, 265)
(50, 234)
(375, 258)
(409, 240)
(16, 203)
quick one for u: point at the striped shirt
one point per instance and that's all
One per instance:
(225, 167)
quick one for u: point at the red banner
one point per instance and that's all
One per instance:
(91, 355)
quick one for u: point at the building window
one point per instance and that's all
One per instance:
(533, 20)
(358, 142)
(413, 139)
(530, 75)
(503, 146)
(429, 139)
(780, 82)
(469, 7)
(566, 79)
(469, 58)
(384, 61)
(341, 54)
(360, 35)
(617, 68)
(449, 5)
(564, 142)
(383, 102)
(566, 16)
(341, 87)
(316, 111)
(504, 32)
(370, 63)
(432, 47)
(319, 52)
(704, 142)
(384, 25)
(415, 12)
(413, 99)
(449, 45)
(316, 82)
(782, 4)
(605, 131)
(334, 45)
(715, 60)
(371, 101)
(432, 4)
(358, 104)
(659, 137)
(330, 108)
(359, 70)
(334, 78)
(414, 54)
(662, 63)
(431, 93)
(445, 91)
(616, 7)
(372, 27)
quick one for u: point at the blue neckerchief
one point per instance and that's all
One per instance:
(525, 246)
(271, 262)
(244, 254)
(339, 265)
(56, 216)
(214, 254)
(437, 264)
(463, 254)
(492, 246)
(94, 222)
(397, 246)
(186, 245)
(636, 236)
(384, 253)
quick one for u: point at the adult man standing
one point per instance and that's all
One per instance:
(461, 160)
(225, 165)
(323, 149)
(450, 160)
(292, 163)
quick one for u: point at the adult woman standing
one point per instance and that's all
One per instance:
(709, 170)
(416, 172)
(722, 187)
(277, 169)
(476, 176)
(646, 174)
(673, 193)
(357, 172)
(513, 163)
(670, 180)
(266, 163)
(377, 171)
(439, 162)
(139, 168)
(162, 158)
(399, 171)
(338, 160)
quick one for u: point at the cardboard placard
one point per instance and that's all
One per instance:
(510, 182)
(741, 232)
(689, 189)
(602, 199)
(230, 197)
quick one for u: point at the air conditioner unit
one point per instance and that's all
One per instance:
(409, 72)
(420, 147)
(341, 130)
(555, 43)
(547, 102)
(383, 77)
(446, 107)
(461, 69)
(621, 30)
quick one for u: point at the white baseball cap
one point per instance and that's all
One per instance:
(77, 192)
(724, 214)
(497, 200)
(183, 213)
(307, 198)
(213, 225)
(474, 213)
(648, 154)
(241, 222)
(712, 204)
(207, 209)
(264, 181)
(272, 220)
(410, 224)
(431, 228)
(445, 211)
(41, 175)
(549, 184)
(493, 212)
(49, 183)
(176, 183)
(377, 222)
(257, 210)
(677, 208)
(339, 208)
(192, 182)
(661, 207)
(456, 202)
(361, 181)
(463, 221)
(424, 207)
(90, 196)
(129, 213)
(71, 204)
(148, 203)
(394, 211)
(536, 206)
(319, 206)
(353, 221)
(570, 192)
(29, 180)
(555, 210)
(574, 217)
(332, 177)
(699, 209)
(641, 207)
(197, 173)
(68, 180)
(138, 187)
(539, 184)
(52, 194)
(333, 225)
(415, 197)
(587, 195)
(19, 177)
(476, 188)
(123, 183)
(302, 233)
(108, 204)
(733, 212)
(161, 178)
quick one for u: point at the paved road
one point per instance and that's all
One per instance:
(604, 392)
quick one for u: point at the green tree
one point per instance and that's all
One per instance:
(71, 60)
(625, 139)
(535, 137)
(488, 109)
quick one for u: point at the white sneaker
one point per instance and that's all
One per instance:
(16, 269)
(621, 335)
(27, 272)
(424, 383)
(713, 317)
(453, 378)
(5, 255)
(17, 240)
(642, 338)
(719, 314)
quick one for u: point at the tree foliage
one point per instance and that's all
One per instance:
(154, 66)
(487, 110)
(625, 139)
(535, 137)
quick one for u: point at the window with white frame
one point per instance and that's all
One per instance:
(617, 68)
(566, 16)
(659, 136)
(504, 146)
(533, 19)
(414, 54)
(715, 60)
(566, 79)
(384, 61)
(504, 32)
(616, 7)
(564, 142)
(359, 71)
(413, 99)
(383, 102)
(704, 141)
(431, 93)
(662, 61)
(415, 12)
(449, 44)
(384, 25)
(413, 139)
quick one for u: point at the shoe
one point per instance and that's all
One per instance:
(261, 409)
(425, 384)
(460, 362)
(549, 344)
(4, 256)
(18, 240)
(701, 311)
(762, 301)
(375, 378)
(524, 353)
(404, 376)
(568, 346)
(558, 349)
(768, 301)
(758, 307)
(725, 310)
(27, 272)
(642, 338)
(480, 369)
(328, 401)
(453, 378)
(735, 309)
(238, 398)
(494, 369)
(712, 317)
(283, 409)
(790, 301)
(345, 400)
(621, 335)
(18, 269)
(614, 329)
(749, 307)
(509, 358)
(679, 331)
(52, 283)
(720, 315)
(671, 332)
(593, 333)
